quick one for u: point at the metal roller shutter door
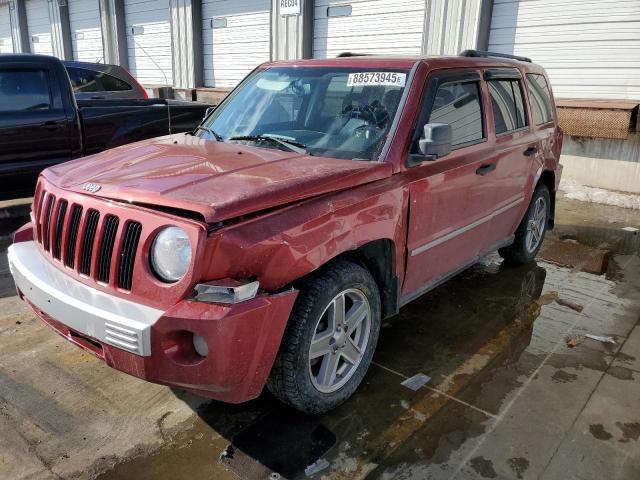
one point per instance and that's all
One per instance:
(39, 27)
(6, 43)
(373, 26)
(86, 32)
(148, 29)
(236, 38)
(589, 47)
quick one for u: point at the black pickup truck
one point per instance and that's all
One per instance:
(41, 122)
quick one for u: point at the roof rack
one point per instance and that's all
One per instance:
(481, 53)
(352, 54)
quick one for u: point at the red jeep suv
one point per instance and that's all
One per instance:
(319, 197)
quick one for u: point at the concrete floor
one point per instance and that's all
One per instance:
(508, 398)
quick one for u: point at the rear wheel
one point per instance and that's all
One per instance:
(530, 233)
(330, 338)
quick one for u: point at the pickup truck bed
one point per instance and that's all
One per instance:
(42, 124)
(110, 123)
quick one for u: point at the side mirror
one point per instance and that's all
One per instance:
(434, 143)
(436, 140)
(209, 111)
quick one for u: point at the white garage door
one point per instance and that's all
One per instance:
(589, 47)
(86, 33)
(6, 44)
(367, 26)
(236, 38)
(149, 41)
(38, 26)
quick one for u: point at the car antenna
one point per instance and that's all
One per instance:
(166, 80)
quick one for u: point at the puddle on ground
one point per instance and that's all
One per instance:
(478, 337)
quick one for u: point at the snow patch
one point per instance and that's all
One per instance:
(576, 191)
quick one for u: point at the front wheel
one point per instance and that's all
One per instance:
(330, 339)
(530, 233)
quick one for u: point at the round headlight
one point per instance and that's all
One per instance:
(171, 254)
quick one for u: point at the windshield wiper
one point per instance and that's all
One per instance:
(215, 135)
(290, 145)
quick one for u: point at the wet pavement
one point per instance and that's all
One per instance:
(507, 397)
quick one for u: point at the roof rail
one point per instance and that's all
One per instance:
(481, 53)
(352, 54)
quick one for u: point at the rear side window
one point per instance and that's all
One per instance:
(458, 104)
(84, 80)
(508, 105)
(540, 98)
(22, 90)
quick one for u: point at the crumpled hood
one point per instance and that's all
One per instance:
(215, 179)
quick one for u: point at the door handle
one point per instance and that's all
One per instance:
(530, 151)
(484, 169)
(51, 125)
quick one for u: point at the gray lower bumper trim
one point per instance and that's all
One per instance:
(107, 318)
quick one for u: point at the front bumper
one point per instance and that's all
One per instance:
(108, 319)
(242, 339)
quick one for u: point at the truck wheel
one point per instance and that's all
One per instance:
(330, 339)
(530, 233)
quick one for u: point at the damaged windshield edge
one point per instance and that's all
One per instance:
(208, 130)
(339, 112)
(289, 145)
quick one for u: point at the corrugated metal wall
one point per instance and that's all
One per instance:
(183, 43)
(6, 42)
(590, 48)
(451, 26)
(148, 31)
(291, 34)
(86, 32)
(374, 26)
(39, 27)
(397, 27)
(236, 41)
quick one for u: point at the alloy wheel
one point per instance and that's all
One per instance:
(536, 225)
(339, 340)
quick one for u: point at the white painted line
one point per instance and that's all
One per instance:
(439, 392)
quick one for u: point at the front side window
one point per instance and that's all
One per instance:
(540, 98)
(22, 90)
(458, 104)
(334, 112)
(508, 105)
(83, 80)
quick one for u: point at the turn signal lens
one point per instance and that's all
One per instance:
(226, 294)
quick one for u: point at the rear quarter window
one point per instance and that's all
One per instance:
(24, 90)
(84, 80)
(508, 105)
(540, 98)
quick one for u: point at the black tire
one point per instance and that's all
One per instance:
(291, 379)
(518, 252)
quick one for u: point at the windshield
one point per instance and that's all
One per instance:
(333, 112)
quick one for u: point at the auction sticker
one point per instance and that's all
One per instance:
(364, 79)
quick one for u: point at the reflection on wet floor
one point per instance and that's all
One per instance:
(505, 389)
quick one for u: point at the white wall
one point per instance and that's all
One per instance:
(231, 52)
(451, 26)
(39, 27)
(374, 26)
(605, 163)
(150, 57)
(6, 43)
(86, 32)
(590, 48)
